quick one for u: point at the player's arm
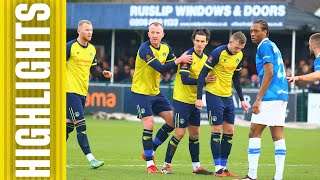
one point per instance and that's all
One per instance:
(68, 50)
(315, 76)
(97, 73)
(237, 84)
(185, 71)
(152, 61)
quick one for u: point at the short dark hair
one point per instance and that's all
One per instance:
(316, 39)
(264, 25)
(201, 31)
(239, 36)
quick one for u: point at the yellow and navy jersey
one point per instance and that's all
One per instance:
(223, 64)
(188, 93)
(146, 80)
(79, 61)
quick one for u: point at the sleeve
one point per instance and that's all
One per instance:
(146, 54)
(171, 57)
(237, 84)
(201, 80)
(213, 59)
(239, 67)
(69, 44)
(266, 53)
(185, 71)
(94, 61)
(95, 72)
(316, 64)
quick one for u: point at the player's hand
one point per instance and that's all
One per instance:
(184, 58)
(245, 107)
(107, 74)
(210, 78)
(198, 104)
(256, 107)
(293, 79)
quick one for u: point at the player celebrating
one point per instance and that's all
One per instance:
(269, 109)
(153, 58)
(225, 62)
(186, 115)
(314, 46)
(80, 63)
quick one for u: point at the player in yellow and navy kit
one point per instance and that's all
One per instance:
(81, 62)
(153, 58)
(224, 62)
(186, 115)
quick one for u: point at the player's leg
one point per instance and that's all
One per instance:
(215, 110)
(77, 115)
(163, 108)
(71, 98)
(228, 130)
(181, 121)
(194, 143)
(144, 104)
(258, 124)
(278, 139)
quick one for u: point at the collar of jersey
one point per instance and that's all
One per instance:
(199, 56)
(82, 45)
(262, 41)
(229, 52)
(155, 47)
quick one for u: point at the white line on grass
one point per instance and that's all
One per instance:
(186, 165)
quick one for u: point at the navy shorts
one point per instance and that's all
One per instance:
(219, 109)
(150, 105)
(185, 114)
(75, 106)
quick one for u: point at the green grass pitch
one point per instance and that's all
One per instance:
(118, 143)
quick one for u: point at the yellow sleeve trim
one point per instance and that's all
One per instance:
(170, 60)
(183, 70)
(94, 64)
(151, 60)
(238, 69)
(208, 66)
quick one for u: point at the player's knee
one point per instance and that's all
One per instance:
(147, 122)
(216, 128)
(277, 138)
(254, 134)
(179, 135)
(81, 127)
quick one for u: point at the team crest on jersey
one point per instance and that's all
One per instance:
(148, 57)
(78, 52)
(164, 54)
(91, 54)
(143, 111)
(237, 60)
(210, 59)
(77, 114)
(225, 60)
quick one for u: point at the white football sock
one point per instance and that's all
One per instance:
(279, 156)
(150, 163)
(253, 156)
(90, 157)
(195, 165)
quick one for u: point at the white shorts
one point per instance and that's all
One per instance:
(272, 113)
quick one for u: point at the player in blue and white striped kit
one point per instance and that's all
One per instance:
(269, 109)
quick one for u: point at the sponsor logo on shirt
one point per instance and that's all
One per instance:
(266, 57)
(210, 59)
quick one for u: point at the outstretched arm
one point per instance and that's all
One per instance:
(308, 77)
